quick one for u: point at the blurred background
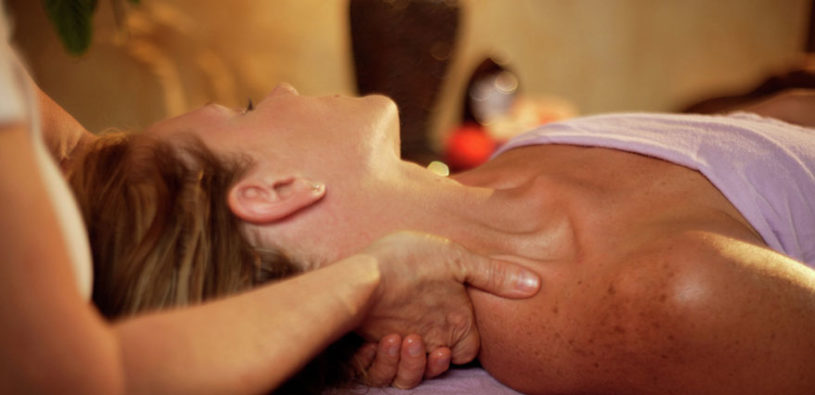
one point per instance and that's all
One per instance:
(563, 57)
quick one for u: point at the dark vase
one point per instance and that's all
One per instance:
(402, 49)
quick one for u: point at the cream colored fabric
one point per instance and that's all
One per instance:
(12, 106)
(18, 103)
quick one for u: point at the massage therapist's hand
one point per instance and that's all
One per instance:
(423, 291)
(401, 362)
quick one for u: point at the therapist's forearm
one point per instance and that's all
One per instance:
(248, 343)
(51, 339)
(54, 341)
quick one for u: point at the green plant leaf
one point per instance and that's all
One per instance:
(73, 21)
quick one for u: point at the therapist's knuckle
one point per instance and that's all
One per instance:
(460, 324)
(496, 276)
(466, 350)
(457, 260)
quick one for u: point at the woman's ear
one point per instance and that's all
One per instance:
(258, 199)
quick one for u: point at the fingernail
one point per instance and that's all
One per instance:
(393, 349)
(415, 349)
(442, 359)
(528, 282)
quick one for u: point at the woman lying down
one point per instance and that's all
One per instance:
(673, 249)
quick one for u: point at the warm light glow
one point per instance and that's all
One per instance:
(439, 168)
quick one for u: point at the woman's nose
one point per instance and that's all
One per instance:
(284, 88)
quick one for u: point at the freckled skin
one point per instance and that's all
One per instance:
(652, 281)
(667, 289)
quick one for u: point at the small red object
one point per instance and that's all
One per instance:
(468, 147)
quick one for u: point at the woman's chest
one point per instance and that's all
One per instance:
(594, 205)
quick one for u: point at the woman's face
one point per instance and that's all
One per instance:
(324, 137)
(335, 140)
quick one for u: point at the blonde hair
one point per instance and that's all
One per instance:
(162, 236)
(161, 232)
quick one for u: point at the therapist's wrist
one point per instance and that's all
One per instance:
(362, 279)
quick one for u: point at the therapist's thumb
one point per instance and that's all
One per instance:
(501, 278)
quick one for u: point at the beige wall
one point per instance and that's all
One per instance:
(173, 55)
(603, 55)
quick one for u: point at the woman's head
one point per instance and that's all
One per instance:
(160, 230)
(297, 145)
(231, 180)
(162, 235)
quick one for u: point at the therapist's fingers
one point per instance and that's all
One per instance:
(386, 362)
(412, 363)
(438, 361)
(497, 277)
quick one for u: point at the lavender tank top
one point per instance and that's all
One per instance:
(765, 167)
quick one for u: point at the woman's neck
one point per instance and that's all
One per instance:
(498, 219)
(515, 221)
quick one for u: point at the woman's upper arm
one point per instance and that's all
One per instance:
(593, 325)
